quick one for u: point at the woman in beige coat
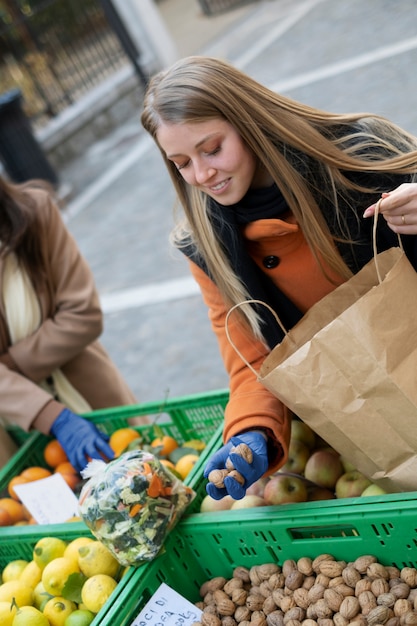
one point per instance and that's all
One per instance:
(52, 368)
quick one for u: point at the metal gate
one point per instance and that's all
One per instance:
(55, 51)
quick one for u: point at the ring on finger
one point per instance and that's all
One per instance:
(403, 219)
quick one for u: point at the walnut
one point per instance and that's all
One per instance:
(359, 621)
(351, 575)
(334, 582)
(255, 602)
(217, 477)
(393, 621)
(305, 566)
(409, 576)
(322, 557)
(401, 607)
(315, 593)
(293, 622)
(386, 599)
(269, 605)
(322, 609)
(296, 613)
(344, 589)
(242, 573)
(236, 475)
(363, 562)
(379, 586)
(254, 575)
(223, 603)
(276, 581)
(239, 596)
(364, 584)
(350, 607)
(242, 613)
(378, 615)
(408, 619)
(331, 568)
(322, 579)
(267, 570)
(324, 621)
(230, 585)
(301, 597)
(294, 580)
(228, 621)
(309, 622)
(278, 595)
(367, 602)
(211, 585)
(339, 620)
(287, 603)
(289, 566)
(376, 570)
(208, 619)
(276, 618)
(400, 590)
(309, 581)
(258, 619)
(393, 571)
(334, 599)
(264, 588)
(244, 451)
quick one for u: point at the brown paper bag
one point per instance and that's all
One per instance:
(349, 370)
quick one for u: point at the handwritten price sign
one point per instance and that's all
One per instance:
(167, 608)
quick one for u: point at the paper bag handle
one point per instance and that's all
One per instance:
(376, 213)
(226, 324)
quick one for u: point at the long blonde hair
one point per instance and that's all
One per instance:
(199, 88)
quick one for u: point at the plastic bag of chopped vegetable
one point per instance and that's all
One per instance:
(131, 504)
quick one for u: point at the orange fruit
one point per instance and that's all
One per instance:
(72, 480)
(5, 518)
(35, 473)
(16, 510)
(120, 439)
(186, 464)
(168, 443)
(66, 468)
(54, 453)
(16, 480)
(167, 463)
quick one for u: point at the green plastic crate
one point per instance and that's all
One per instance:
(18, 543)
(204, 546)
(197, 416)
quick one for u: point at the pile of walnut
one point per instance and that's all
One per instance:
(312, 592)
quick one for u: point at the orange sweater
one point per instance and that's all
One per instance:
(297, 275)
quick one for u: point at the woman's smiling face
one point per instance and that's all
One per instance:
(211, 156)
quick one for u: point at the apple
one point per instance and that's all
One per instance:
(324, 468)
(320, 493)
(282, 489)
(351, 484)
(373, 490)
(303, 432)
(298, 455)
(210, 505)
(248, 502)
(257, 488)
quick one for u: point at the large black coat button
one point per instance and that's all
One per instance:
(271, 261)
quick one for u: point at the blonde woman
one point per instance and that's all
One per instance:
(52, 367)
(276, 200)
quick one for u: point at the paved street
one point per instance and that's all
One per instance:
(341, 55)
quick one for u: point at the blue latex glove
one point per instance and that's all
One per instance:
(80, 439)
(251, 472)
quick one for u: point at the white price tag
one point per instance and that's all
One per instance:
(167, 608)
(49, 500)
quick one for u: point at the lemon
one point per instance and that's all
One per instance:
(96, 591)
(71, 551)
(80, 617)
(7, 613)
(14, 589)
(95, 558)
(40, 596)
(56, 573)
(57, 610)
(31, 575)
(13, 570)
(29, 616)
(47, 549)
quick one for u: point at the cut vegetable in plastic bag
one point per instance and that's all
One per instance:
(131, 504)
